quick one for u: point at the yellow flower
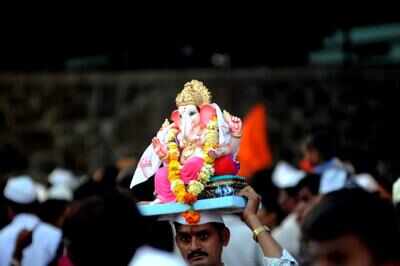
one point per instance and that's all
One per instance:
(172, 177)
(180, 196)
(176, 183)
(208, 159)
(202, 173)
(173, 172)
(203, 178)
(174, 165)
(180, 188)
(208, 169)
(172, 145)
(173, 156)
(195, 187)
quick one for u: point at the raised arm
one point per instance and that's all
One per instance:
(273, 252)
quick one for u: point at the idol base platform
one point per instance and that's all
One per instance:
(227, 204)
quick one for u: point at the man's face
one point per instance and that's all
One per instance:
(201, 245)
(286, 202)
(306, 202)
(347, 250)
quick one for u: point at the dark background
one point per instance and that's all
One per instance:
(149, 39)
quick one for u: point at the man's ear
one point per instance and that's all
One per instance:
(226, 234)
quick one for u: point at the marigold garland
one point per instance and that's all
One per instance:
(195, 187)
(191, 217)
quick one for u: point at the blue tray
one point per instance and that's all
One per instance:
(226, 177)
(227, 204)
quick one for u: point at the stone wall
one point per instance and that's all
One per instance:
(89, 119)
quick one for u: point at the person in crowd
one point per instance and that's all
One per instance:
(21, 196)
(203, 243)
(102, 181)
(143, 192)
(270, 212)
(109, 230)
(54, 209)
(351, 227)
(287, 178)
(307, 195)
(320, 156)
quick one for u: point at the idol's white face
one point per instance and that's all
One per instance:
(189, 117)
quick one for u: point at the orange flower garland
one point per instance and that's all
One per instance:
(191, 217)
(195, 187)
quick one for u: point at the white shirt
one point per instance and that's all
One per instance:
(241, 249)
(285, 260)
(288, 234)
(147, 256)
(45, 241)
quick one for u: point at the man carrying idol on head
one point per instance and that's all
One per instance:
(185, 157)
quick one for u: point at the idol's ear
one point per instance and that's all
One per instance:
(175, 117)
(207, 112)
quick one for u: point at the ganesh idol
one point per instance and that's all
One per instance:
(199, 142)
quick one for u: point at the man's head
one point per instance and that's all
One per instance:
(351, 227)
(287, 199)
(202, 244)
(105, 230)
(287, 179)
(319, 147)
(307, 195)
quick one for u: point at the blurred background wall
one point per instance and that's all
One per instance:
(87, 120)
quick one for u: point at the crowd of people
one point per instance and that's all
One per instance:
(321, 211)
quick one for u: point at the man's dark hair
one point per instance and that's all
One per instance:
(359, 213)
(51, 210)
(263, 185)
(161, 235)
(312, 182)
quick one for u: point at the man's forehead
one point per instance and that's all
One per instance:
(194, 228)
(342, 243)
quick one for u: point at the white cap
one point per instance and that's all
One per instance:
(20, 189)
(205, 217)
(59, 193)
(366, 182)
(285, 175)
(396, 191)
(333, 179)
(62, 177)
